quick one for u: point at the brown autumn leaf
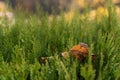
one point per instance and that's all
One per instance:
(81, 52)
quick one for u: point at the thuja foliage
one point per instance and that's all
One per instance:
(34, 36)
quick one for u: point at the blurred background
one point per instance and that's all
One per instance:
(8, 7)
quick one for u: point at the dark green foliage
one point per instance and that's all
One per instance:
(35, 36)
